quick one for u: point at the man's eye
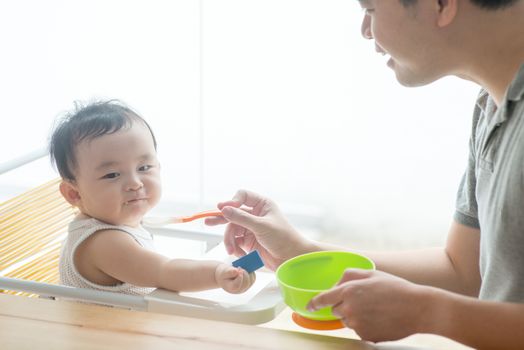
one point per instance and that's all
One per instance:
(111, 176)
(367, 11)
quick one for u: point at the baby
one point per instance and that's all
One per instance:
(106, 155)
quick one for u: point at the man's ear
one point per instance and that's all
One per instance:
(70, 192)
(447, 10)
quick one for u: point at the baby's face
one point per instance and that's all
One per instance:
(118, 176)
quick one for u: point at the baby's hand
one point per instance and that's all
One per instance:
(233, 279)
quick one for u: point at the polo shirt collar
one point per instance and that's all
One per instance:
(486, 103)
(516, 89)
(499, 115)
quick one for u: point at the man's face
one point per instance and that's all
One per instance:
(406, 36)
(118, 176)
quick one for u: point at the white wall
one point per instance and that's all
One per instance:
(279, 96)
(143, 52)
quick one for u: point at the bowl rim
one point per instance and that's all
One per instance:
(373, 267)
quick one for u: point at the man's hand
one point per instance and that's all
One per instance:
(256, 222)
(377, 305)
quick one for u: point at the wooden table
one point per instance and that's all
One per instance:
(30, 323)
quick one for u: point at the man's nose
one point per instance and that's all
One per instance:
(365, 29)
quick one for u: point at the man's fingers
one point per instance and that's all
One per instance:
(231, 203)
(241, 218)
(216, 220)
(329, 298)
(220, 220)
(335, 295)
(233, 240)
(244, 197)
(354, 274)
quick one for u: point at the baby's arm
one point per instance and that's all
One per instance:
(114, 256)
(193, 275)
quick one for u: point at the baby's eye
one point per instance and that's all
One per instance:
(111, 176)
(145, 167)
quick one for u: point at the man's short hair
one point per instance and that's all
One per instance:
(486, 4)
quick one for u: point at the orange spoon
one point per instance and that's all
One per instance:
(162, 221)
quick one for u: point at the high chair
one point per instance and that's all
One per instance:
(34, 224)
(32, 227)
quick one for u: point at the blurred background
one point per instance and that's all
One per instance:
(282, 97)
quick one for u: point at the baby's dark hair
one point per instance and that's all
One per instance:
(88, 122)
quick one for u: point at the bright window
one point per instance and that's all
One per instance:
(283, 97)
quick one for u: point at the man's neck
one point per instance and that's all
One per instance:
(496, 49)
(497, 72)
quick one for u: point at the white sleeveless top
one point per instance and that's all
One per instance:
(79, 231)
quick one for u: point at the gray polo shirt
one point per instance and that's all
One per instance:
(491, 194)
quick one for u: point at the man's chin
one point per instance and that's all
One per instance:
(409, 79)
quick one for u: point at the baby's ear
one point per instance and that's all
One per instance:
(70, 193)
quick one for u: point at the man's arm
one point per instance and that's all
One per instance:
(454, 267)
(382, 307)
(374, 304)
(476, 323)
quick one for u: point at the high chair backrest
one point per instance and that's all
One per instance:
(32, 227)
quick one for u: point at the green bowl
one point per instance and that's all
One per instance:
(304, 276)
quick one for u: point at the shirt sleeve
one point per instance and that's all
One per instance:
(466, 209)
(466, 204)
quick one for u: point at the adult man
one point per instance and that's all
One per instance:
(471, 290)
